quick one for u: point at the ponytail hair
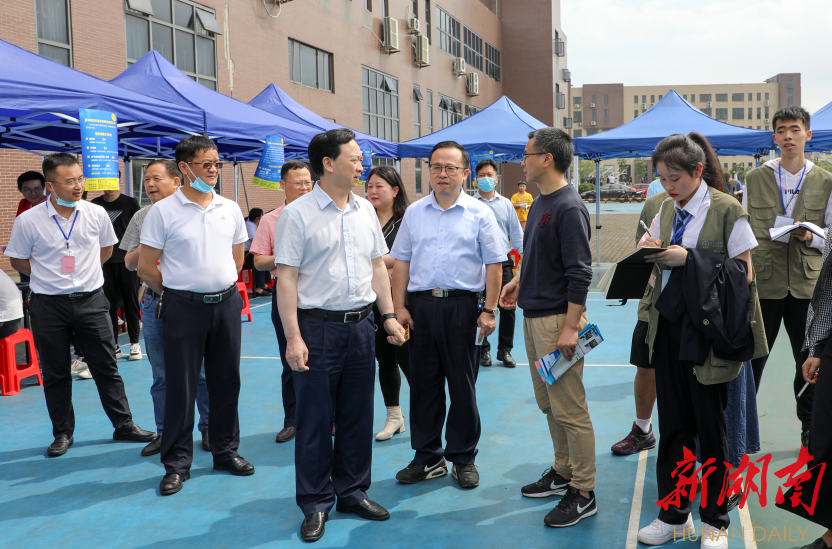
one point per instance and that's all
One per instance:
(684, 152)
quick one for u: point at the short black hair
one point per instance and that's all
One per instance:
(466, 160)
(555, 142)
(290, 165)
(327, 145)
(29, 176)
(483, 163)
(188, 148)
(255, 213)
(792, 112)
(170, 166)
(521, 183)
(52, 161)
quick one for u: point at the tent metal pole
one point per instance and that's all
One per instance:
(757, 160)
(598, 213)
(576, 171)
(236, 184)
(245, 192)
(772, 154)
(128, 167)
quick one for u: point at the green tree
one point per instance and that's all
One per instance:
(641, 170)
(825, 164)
(587, 168)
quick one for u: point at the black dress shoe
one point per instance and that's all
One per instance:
(134, 433)
(172, 483)
(312, 528)
(206, 444)
(485, 358)
(60, 445)
(367, 509)
(506, 359)
(153, 448)
(285, 435)
(236, 466)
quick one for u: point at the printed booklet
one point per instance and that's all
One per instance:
(553, 365)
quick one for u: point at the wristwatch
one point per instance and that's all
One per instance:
(489, 311)
(388, 316)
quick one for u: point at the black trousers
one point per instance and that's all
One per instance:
(792, 312)
(442, 348)
(119, 282)
(287, 383)
(390, 359)
(339, 383)
(259, 276)
(196, 331)
(687, 410)
(54, 320)
(505, 340)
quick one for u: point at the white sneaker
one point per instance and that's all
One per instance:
(394, 424)
(713, 537)
(135, 352)
(119, 353)
(659, 532)
(80, 367)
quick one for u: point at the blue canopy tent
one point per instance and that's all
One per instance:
(821, 126)
(502, 127)
(276, 101)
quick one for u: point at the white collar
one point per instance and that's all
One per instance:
(52, 212)
(325, 200)
(693, 205)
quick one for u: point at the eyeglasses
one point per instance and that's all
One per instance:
(71, 182)
(34, 190)
(436, 169)
(207, 165)
(526, 155)
(302, 184)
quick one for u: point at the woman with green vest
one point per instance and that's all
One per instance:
(692, 397)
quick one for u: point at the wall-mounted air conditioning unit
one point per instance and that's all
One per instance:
(390, 35)
(644, 106)
(592, 123)
(413, 26)
(421, 54)
(710, 103)
(592, 105)
(459, 67)
(766, 103)
(767, 120)
(576, 105)
(472, 84)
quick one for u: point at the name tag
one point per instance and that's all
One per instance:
(68, 264)
(665, 277)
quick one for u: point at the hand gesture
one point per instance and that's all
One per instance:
(487, 324)
(297, 354)
(810, 369)
(508, 296)
(396, 331)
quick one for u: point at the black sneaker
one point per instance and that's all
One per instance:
(571, 509)
(733, 501)
(635, 442)
(466, 475)
(804, 438)
(550, 484)
(417, 472)
(485, 358)
(817, 544)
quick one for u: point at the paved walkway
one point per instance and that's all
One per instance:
(616, 235)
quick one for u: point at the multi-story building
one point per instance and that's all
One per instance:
(386, 67)
(602, 107)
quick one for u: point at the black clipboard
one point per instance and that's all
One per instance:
(629, 277)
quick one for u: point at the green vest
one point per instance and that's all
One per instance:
(648, 212)
(719, 222)
(798, 264)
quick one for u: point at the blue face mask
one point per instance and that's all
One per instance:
(199, 185)
(66, 204)
(486, 184)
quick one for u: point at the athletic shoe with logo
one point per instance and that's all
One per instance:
(417, 472)
(135, 352)
(659, 532)
(550, 484)
(466, 475)
(571, 509)
(635, 442)
(119, 353)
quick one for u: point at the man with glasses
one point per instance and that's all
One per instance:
(449, 251)
(296, 181)
(30, 185)
(198, 235)
(61, 244)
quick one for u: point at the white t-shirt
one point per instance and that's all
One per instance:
(11, 302)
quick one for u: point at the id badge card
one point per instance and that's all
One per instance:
(665, 277)
(68, 264)
(783, 221)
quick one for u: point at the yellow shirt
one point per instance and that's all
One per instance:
(519, 201)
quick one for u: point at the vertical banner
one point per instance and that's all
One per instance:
(367, 162)
(476, 158)
(99, 146)
(271, 161)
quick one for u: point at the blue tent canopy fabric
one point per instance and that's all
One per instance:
(821, 126)
(276, 101)
(502, 127)
(671, 115)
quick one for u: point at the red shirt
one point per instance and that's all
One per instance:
(25, 205)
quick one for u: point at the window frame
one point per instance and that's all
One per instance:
(371, 119)
(475, 59)
(493, 69)
(448, 111)
(52, 43)
(318, 52)
(721, 98)
(449, 42)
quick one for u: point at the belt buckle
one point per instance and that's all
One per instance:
(213, 298)
(76, 295)
(353, 316)
(439, 292)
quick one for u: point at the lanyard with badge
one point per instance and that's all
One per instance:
(783, 220)
(67, 260)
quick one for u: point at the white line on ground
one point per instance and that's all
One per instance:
(745, 520)
(638, 493)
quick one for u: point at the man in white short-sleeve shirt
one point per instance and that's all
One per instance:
(61, 243)
(198, 235)
(328, 249)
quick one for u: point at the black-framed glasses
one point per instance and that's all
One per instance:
(436, 169)
(207, 165)
(526, 155)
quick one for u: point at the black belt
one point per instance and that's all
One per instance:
(338, 316)
(148, 290)
(445, 293)
(205, 298)
(80, 295)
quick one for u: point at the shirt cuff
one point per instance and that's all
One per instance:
(817, 242)
(152, 243)
(492, 260)
(578, 298)
(400, 256)
(286, 261)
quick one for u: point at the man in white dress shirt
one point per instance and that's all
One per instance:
(328, 250)
(61, 243)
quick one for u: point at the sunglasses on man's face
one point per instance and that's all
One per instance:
(207, 165)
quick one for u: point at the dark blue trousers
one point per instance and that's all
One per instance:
(287, 385)
(442, 348)
(340, 383)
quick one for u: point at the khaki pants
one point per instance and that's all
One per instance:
(563, 402)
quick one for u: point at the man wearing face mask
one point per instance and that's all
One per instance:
(198, 235)
(61, 244)
(512, 234)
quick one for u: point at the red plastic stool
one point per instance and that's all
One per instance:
(247, 278)
(12, 373)
(241, 287)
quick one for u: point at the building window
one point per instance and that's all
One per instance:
(594, 113)
(606, 99)
(578, 133)
(750, 96)
(473, 49)
(722, 97)
(766, 96)
(430, 111)
(766, 128)
(471, 110)
(591, 131)
(450, 111)
(722, 114)
(414, 8)
(644, 99)
(737, 114)
(759, 115)
(427, 19)
(606, 115)
(758, 127)
(380, 97)
(703, 97)
(707, 110)
(635, 99)
(449, 33)
(368, 5)
(652, 98)
(578, 117)
(492, 62)
(635, 113)
(594, 101)
(385, 8)
(766, 112)
(417, 112)
(736, 97)
(182, 32)
(685, 96)
(660, 97)
(750, 113)
(576, 101)
(758, 99)
(789, 90)
(418, 176)
(693, 98)
(54, 31)
(310, 66)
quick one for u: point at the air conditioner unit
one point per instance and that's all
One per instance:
(767, 120)
(766, 103)
(421, 54)
(390, 35)
(643, 106)
(580, 123)
(413, 26)
(472, 84)
(592, 105)
(709, 103)
(567, 75)
(577, 105)
(459, 67)
(592, 123)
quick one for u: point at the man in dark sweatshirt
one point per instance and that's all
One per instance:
(551, 289)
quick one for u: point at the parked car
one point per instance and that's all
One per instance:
(611, 192)
(641, 189)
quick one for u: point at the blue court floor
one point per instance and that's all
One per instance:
(103, 494)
